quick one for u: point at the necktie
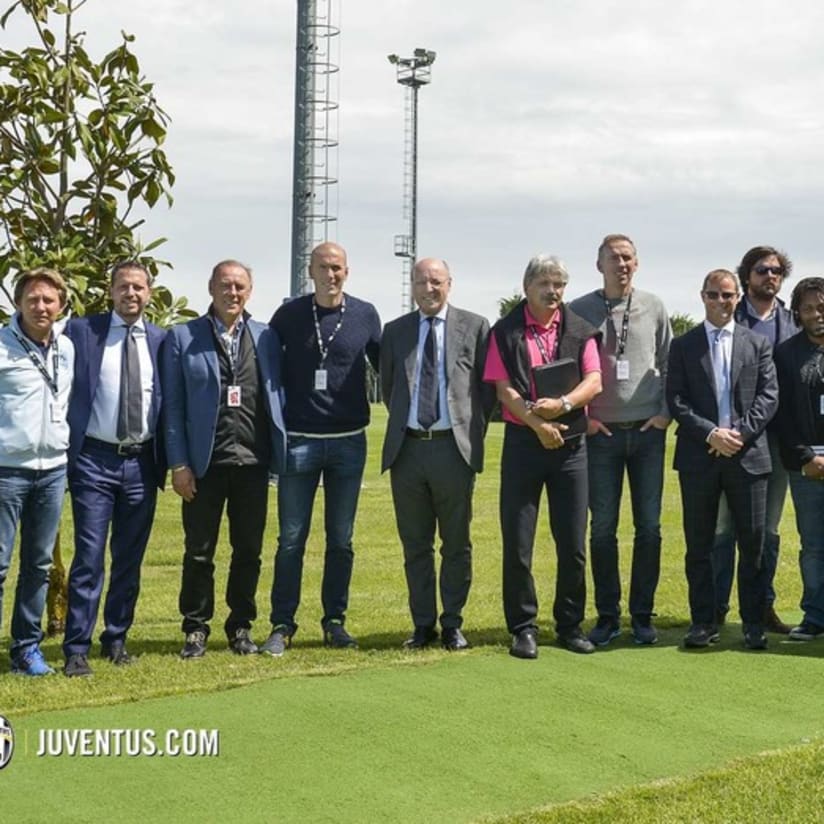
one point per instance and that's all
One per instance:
(722, 379)
(130, 408)
(428, 381)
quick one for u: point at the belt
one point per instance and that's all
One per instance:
(428, 434)
(125, 450)
(625, 425)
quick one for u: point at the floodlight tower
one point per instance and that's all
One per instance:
(314, 175)
(412, 72)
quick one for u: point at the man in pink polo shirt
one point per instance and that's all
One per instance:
(541, 330)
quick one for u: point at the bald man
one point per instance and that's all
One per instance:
(432, 363)
(326, 339)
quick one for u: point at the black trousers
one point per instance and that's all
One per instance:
(526, 470)
(244, 491)
(747, 498)
(432, 487)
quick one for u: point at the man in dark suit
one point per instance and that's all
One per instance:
(224, 431)
(115, 465)
(431, 367)
(722, 390)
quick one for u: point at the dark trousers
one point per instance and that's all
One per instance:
(107, 490)
(432, 487)
(244, 490)
(526, 470)
(747, 498)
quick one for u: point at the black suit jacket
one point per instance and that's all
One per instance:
(691, 398)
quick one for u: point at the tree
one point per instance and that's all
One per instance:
(80, 154)
(681, 323)
(506, 305)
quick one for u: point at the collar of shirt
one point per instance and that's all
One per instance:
(531, 321)
(729, 328)
(441, 316)
(118, 321)
(750, 309)
(221, 326)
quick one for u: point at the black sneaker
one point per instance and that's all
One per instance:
(606, 630)
(701, 635)
(77, 666)
(195, 646)
(806, 631)
(754, 637)
(241, 644)
(643, 632)
(334, 635)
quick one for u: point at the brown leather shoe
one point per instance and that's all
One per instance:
(772, 623)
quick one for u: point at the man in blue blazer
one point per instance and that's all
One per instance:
(115, 463)
(722, 390)
(224, 431)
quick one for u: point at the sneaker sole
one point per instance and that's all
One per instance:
(643, 642)
(713, 639)
(615, 634)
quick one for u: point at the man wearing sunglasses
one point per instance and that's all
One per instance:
(722, 391)
(762, 271)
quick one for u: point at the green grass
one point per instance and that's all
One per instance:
(627, 734)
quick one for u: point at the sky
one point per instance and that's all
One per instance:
(694, 127)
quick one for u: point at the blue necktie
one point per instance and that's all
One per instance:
(428, 381)
(722, 379)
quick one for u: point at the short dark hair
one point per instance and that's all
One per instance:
(615, 238)
(801, 288)
(41, 273)
(757, 253)
(131, 264)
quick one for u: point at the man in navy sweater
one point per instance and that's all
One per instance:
(326, 338)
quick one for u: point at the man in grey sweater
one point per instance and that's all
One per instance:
(627, 429)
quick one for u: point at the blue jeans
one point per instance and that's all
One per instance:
(340, 461)
(641, 454)
(723, 550)
(32, 498)
(808, 497)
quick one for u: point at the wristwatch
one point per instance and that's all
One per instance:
(566, 403)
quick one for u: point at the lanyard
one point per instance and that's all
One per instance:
(541, 348)
(38, 361)
(324, 350)
(229, 342)
(622, 341)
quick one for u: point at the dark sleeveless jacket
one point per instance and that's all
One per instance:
(510, 335)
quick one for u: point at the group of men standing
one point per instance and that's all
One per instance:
(224, 401)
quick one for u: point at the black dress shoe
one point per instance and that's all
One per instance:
(77, 667)
(525, 643)
(421, 637)
(754, 637)
(701, 635)
(576, 641)
(117, 653)
(453, 639)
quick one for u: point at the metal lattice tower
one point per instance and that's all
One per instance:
(412, 72)
(314, 176)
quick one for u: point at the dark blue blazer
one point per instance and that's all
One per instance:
(88, 334)
(690, 390)
(190, 374)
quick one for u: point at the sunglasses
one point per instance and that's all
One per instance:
(769, 270)
(711, 294)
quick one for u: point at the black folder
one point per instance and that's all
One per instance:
(559, 378)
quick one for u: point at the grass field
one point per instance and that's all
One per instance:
(378, 734)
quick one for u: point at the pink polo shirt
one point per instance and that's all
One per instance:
(494, 369)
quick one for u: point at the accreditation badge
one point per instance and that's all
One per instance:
(56, 414)
(321, 379)
(821, 404)
(233, 396)
(622, 370)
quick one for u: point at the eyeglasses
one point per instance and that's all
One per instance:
(711, 294)
(769, 270)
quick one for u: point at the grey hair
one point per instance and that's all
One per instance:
(720, 274)
(545, 264)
